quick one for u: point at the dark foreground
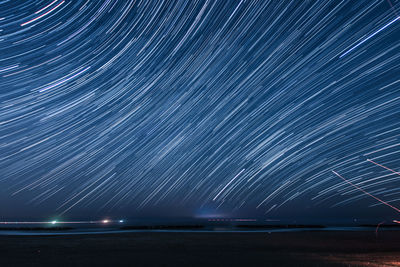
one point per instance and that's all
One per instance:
(319, 248)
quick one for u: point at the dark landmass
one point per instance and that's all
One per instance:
(228, 226)
(35, 228)
(303, 248)
(162, 227)
(287, 226)
(394, 226)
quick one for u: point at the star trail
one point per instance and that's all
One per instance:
(189, 107)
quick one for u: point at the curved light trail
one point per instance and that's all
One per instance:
(184, 107)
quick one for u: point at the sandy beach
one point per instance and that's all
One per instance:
(307, 248)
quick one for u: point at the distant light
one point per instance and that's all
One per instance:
(121, 221)
(106, 221)
(53, 222)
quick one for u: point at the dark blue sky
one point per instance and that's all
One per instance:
(198, 108)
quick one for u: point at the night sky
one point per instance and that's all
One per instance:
(200, 108)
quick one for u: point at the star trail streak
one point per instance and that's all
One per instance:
(369, 37)
(365, 192)
(189, 108)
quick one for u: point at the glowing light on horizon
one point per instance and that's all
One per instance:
(106, 221)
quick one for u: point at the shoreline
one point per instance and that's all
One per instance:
(300, 248)
(59, 231)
